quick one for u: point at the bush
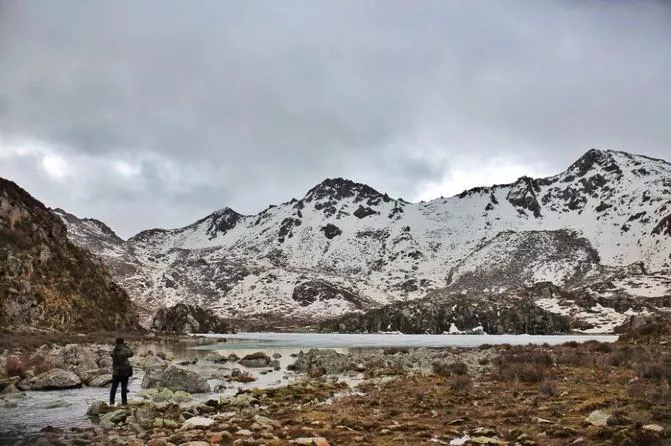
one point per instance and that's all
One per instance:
(442, 368)
(656, 370)
(15, 367)
(41, 363)
(575, 358)
(459, 368)
(523, 365)
(548, 388)
(461, 383)
(529, 373)
(652, 392)
(395, 350)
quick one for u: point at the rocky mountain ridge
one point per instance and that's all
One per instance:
(345, 247)
(47, 281)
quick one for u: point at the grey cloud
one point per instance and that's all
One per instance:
(263, 99)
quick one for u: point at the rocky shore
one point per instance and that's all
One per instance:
(576, 393)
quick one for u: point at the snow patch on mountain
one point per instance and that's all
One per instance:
(362, 249)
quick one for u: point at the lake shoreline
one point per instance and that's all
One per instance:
(324, 376)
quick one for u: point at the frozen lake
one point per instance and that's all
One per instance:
(338, 340)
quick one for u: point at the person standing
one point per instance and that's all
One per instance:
(121, 370)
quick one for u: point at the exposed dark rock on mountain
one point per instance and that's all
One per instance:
(470, 312)
(525, 255)
(47, 281)
(183, 318)
(311, 291)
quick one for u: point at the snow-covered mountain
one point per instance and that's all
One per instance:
(347, 247)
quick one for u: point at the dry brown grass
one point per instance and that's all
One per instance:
(523, 364)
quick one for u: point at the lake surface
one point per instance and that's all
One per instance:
(25, 413)
(268, 340)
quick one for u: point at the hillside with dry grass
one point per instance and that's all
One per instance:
(48, 282)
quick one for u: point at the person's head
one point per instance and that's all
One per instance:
(119, 341)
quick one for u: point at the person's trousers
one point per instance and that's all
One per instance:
(116, 380)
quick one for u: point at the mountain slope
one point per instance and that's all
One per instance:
(346, 247)
(47, 281)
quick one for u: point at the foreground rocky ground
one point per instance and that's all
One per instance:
(583, 394)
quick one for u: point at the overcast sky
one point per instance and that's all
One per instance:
(155, 113)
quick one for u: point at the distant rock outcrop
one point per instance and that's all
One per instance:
(48, 282)
(476, 312)
(183, 318)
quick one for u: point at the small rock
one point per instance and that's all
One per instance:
(101, 380)
(490, 441)
(182, 397)
(598, 418)
(244, 433)
(314, 441)
(197, 423)
(484, 432)
(109, 420)
(541, 420)
(653, 428)
(162, 395)
(196, 443)
(223, 437)
(96, 408)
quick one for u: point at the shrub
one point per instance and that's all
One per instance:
(656, 370)
(574, 358)
(529, 373)
(15, 367)
(459, 368)
(548, 388)
(395, 350)
(603, 347)
(523, 365)
(441, 368)
(41, 363)
(461, 383)
(652, 392)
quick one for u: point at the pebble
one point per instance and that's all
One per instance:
(653, 428)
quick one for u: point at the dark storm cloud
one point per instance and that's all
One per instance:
(215, 103)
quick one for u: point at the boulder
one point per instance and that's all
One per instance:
(6, 382)
(52, 380)
(88, 375)
(109, 420)
(328, 360)
(598, 418)
(258, 359)
(183, 318)
(97, 408)
(77, 358)
(175, 378)
(101, 380)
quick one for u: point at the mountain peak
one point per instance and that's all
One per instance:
(593, 158)
(340, 188)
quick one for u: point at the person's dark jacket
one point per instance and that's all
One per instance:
(120, 364)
